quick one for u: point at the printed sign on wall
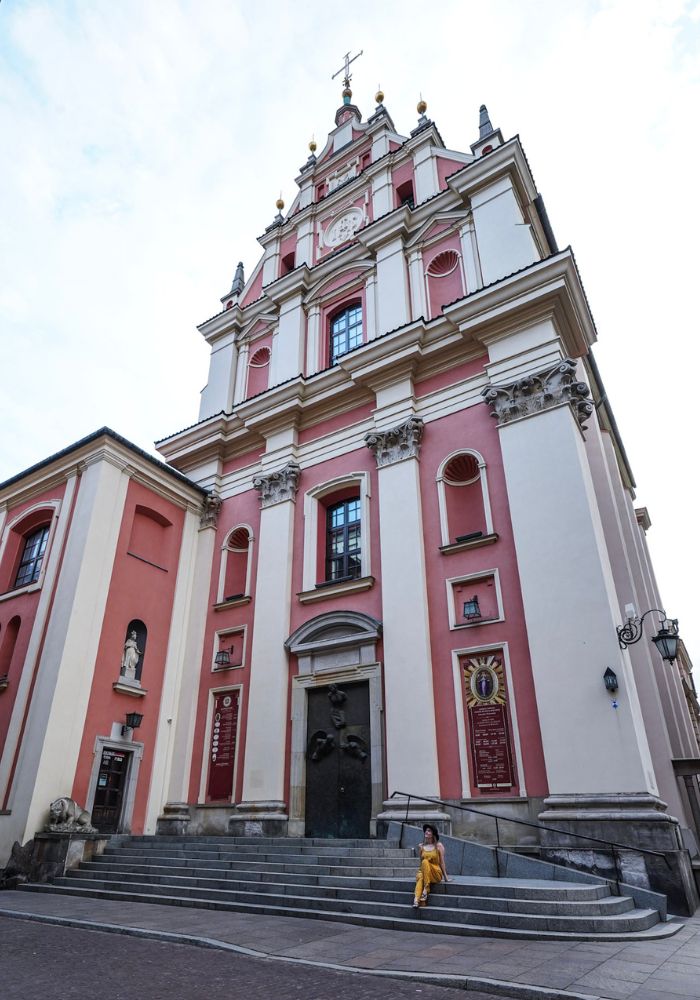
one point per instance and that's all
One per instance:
(222, 748)
(489, 731)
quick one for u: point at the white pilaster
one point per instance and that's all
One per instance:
(392, 305)
(382, 193)
(412, 764)
(218, 393)
(241, 372)
(288, 353)
(175, 734)
(266, 727)
(470, 256)
(313, 331)
(305, 243)
(425, 173)
(570, 609)
(371, 306)
(419, 305)
(49, 752)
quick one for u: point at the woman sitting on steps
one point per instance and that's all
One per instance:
(432, 864)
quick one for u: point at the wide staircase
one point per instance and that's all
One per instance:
(365, 882)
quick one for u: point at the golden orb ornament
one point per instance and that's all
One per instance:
(347, 92)
(421, 107)
(379, 96)
(280, 204)
(312, 146)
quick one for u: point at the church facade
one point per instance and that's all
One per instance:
(390, 559)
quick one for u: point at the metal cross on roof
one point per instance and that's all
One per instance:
(346, 67)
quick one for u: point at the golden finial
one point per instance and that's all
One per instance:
(312, 145)
(379, 96)
(346, 93)
(279, 203)
(421, 107)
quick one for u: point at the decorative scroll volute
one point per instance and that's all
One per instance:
(539, 392)
(274, 487)
(397, 443)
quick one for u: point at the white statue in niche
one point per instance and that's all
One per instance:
(130, 659)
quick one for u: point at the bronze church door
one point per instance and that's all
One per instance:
(109, 794)
(338, 765)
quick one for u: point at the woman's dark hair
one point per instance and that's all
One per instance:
(433, 830)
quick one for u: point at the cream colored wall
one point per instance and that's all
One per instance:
(51, 743)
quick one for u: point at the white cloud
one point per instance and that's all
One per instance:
(144, 146)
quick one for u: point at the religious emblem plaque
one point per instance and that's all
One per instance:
(489, 731)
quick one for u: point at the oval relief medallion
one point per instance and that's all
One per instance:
(344, 228)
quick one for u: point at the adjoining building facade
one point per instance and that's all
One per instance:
(391, 556)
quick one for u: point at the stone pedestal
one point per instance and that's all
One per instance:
(174, 821)
(259, 819)
(49, 856)
(415, 812)
(637, 822)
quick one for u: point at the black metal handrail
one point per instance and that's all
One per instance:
(611, 844)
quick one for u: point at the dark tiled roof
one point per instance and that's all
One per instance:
(95, 436)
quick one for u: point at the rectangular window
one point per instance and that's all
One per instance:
(32, 557)
(344, 541)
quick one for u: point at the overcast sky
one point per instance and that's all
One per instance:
(143, 145)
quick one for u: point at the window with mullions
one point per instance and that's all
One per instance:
(346, 331)
(343, 541)
(32, 557)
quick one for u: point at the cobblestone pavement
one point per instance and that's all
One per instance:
(667, 969)
(43, 960)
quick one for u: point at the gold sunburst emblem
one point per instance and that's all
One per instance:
(484, 681)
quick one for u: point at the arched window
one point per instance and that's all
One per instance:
(345, 331)
(465, 510)
(259, 371)
(32, 556)
(234, 579)
(337, 536)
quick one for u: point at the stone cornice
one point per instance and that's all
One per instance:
(397, 443)
(103, 448)
(547, 289)
(276, 487)
(542, 391)
(550, 287)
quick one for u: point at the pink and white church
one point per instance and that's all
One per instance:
(390, 558)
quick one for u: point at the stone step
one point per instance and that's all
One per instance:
(399, 860)
(424, 919)
(461, 884)
(332, 847)
(595, 924)
(248, 841)
(387, 871)
(447, 896)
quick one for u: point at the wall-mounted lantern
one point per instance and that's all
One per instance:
(665, 640)
(610, 680)
(133, 721)
(471, 609)
(224, 658)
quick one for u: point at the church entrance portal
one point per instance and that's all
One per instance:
(338, 765)
(109, 793)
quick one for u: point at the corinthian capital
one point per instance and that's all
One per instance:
(274, 487)
(397, 443)
(209, 515)
(538, 392)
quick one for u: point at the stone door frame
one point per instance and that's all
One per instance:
(371, 672)
(135, 751)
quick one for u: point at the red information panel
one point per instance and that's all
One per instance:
(222, 749)
(493, 765)
(487, 710)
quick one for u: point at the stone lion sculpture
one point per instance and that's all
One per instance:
(66, 816)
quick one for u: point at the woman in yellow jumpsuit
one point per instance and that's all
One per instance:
(432, 865)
